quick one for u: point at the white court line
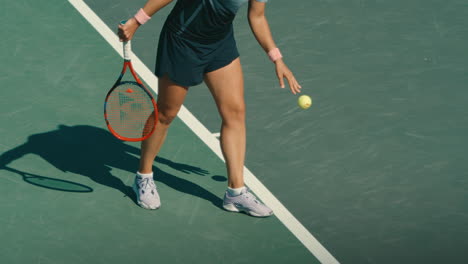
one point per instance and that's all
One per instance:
(306, 238)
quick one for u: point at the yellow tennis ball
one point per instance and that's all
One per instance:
(304, 101)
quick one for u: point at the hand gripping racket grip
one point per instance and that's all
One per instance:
(127, 47)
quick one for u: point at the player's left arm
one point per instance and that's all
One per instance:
(261, 30)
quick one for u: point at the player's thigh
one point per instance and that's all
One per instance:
(227, 87)
(171, 96)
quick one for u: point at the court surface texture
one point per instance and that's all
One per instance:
(376, 171)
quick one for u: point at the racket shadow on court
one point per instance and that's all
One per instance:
(92, 152)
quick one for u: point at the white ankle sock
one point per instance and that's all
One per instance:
(145, 175)
(235, 191)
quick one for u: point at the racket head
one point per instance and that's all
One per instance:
(130, 111)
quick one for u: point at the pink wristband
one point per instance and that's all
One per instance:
(275, 54)
(141, 16)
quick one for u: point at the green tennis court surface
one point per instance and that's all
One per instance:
(53, 127)
(376, 170)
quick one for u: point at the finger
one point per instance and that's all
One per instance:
(120, 33)
(281, 80)
(298, 87)
(126, 36)
(292, 87)
(289, 81)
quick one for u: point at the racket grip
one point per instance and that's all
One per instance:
(126, 50)
(126, 45)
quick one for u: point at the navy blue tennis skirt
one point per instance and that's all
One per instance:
(186, 61)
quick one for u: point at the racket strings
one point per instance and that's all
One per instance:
(130, 111)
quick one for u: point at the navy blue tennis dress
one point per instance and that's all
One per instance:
(197, 38)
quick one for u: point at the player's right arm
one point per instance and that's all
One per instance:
(127, 31)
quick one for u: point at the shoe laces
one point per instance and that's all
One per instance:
(146, 183)
(250, 196)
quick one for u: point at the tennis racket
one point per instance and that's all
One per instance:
(130, 110)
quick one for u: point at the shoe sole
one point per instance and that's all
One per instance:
(140, 203)
(233, 208)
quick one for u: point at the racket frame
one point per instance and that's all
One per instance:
(128, 64)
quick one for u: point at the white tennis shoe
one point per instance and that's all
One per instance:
(246, 202)
(146, 192)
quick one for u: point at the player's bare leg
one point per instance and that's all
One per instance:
(227, 87)
(170, 99)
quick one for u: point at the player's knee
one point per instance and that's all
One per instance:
(166, 117)
(234, 114)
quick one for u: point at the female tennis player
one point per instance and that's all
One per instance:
(197, 44)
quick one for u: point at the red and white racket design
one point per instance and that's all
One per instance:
(130, 110)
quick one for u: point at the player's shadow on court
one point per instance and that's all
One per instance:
(92, 152)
